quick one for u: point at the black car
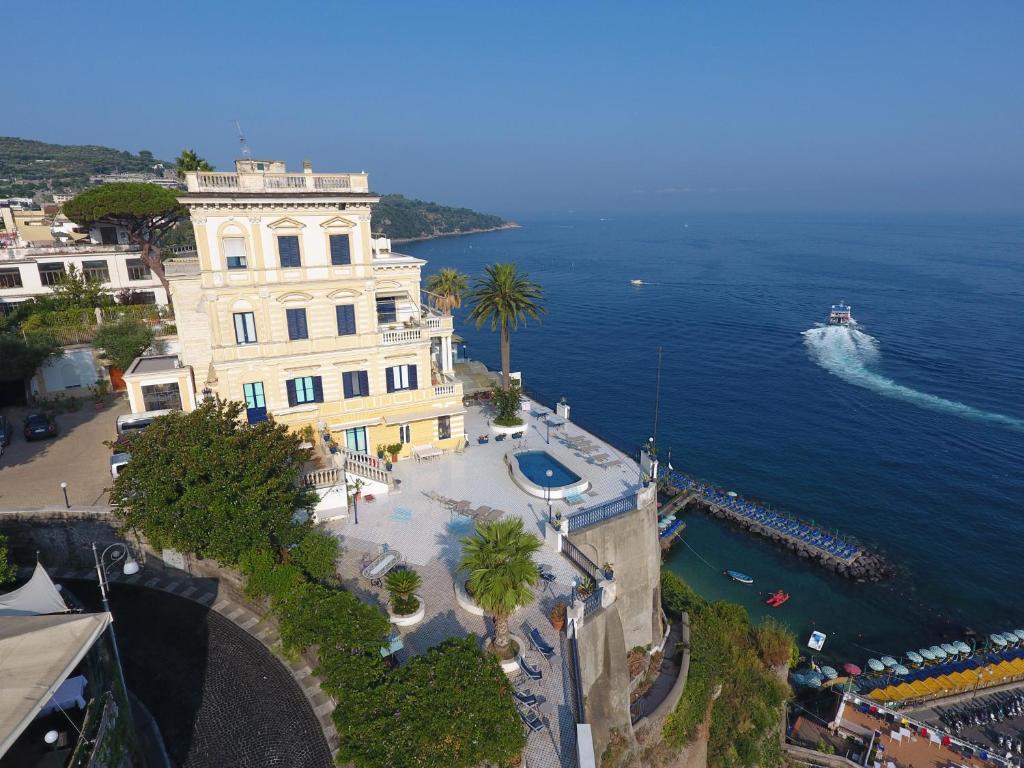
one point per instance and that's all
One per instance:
(6, 431)
(39, 426)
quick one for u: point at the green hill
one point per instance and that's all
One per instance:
(400, 218)
(28, 166)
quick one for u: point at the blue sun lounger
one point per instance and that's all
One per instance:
(533, 673)
(540, 644)
(531, 720)
(527, 699)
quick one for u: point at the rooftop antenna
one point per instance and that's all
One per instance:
(246, 152)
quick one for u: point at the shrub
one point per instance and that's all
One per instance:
(7, 570)
(265, 577)
(677, 596)
(775, 643)
(506, 405)
(316, 555)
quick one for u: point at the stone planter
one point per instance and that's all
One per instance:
(466, 603)
(511, 666)
(499, 430)
(409, 619)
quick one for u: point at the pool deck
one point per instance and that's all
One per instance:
(427, 535)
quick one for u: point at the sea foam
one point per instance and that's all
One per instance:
(849, 354)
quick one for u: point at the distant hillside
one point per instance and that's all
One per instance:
(400, 218)
(28, 166)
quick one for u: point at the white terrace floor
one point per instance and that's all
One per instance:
(427, 536)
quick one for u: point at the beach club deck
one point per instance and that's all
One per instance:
(434, 506)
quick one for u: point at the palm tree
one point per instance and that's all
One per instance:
(505, 297)
(188, 160)
(499, 560)
(447, 288)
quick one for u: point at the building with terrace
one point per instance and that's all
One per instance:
(292, 306)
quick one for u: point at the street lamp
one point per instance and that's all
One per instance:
(64, 487)
(117, 553)
(547, 490)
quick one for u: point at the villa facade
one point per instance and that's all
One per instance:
(293, 307)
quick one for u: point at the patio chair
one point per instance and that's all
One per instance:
(525, 698)
(540, 644)
(547, 576)
(532, 721)
(533, 673)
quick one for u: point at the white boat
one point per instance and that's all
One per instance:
(636, 282)
(841, 314)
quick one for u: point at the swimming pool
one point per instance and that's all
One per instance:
(530, 469)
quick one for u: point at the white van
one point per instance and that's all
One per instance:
(117, 462)
(130, 423)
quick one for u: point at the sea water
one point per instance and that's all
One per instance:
(906, 430)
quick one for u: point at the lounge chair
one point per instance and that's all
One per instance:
(531, 720)
(533, 673)
(480, 513)
(525, 697)
(493, 515)
(547, 576)
(599, 458)
(612, 463)
(574, 498)
(540, 644)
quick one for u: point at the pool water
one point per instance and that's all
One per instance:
(534, 464)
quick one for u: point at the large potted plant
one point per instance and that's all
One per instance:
(506, 404)
(394, 449)
(407, 607)
(558, 614)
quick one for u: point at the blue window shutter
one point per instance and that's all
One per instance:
(288, 248)
(290, 316)
(346, 383)
(346, 314)
(412, 377)
(340, 252)
(364, 383)
(318, 389)
(300, 316)
(292, 400)
(389, 374)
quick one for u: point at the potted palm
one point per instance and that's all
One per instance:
(558, 617)
(394, 449)
(407, 607)
(380, 451)
(499, 561)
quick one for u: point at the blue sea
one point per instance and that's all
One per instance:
(906, 432)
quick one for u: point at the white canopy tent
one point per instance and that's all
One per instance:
(37, 596)
(37, 653)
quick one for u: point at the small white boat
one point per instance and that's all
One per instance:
(636, 282)
(841, 314)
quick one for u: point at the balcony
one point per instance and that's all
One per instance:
(278, 182)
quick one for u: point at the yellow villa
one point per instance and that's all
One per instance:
(292, 306)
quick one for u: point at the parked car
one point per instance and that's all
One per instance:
(6, 431)
(39, 426)
(117, 463)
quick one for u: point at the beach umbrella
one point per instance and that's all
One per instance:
(899, 669)
(814, 680)
(889, 661)
(937, 652)
(1019, 633)
(851, 669)
(949, 649)
(732, 494)
(875, 665)
(915, 657)
(962, 647)
(1011, 638)
(829, 673)
(927, 654)
(998, 640)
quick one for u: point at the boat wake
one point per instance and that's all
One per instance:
(849, 354)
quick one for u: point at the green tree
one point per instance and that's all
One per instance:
(402, 585)
(123, 341)
(75, 291)
(448, 287)
(188, 160)
(450, 707)
(22, 355)
(505, 297)
(208, 483)
(146, 211)
(7, 569)
(499, 560)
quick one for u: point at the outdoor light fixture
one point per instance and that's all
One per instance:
(547, 488)
(64, 487)
(117, 553)
(51, 737)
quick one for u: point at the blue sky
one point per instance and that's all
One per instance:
(553, 106)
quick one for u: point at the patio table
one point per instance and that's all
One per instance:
(381, 565)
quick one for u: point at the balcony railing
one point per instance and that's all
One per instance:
(404, 336)
(261, 182)
(594, 515)
(575, 556)
(443, 390)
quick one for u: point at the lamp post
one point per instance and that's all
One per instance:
(118, 553)
(64, 487)
(547, 490)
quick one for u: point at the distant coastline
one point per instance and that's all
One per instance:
(506, 225)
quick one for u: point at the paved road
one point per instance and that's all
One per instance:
(986, 735)
(219, 696)
(31, 473)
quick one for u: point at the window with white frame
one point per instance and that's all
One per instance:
(405, 434)
(234, 252)
(245, 328)
(399, 377)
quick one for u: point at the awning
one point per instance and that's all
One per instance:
(37, 653)
(426, 413)
(38, 595)
(362, 421)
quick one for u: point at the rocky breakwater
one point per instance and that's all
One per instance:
(860, 565)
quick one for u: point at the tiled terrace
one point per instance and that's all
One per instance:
(427, 535)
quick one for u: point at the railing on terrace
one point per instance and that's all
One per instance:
(217, 181)
(322, 478)
(594, 515)
(258, 182)
(443, 390)
(575, 556)
(577, 677)
(365, 466)
(404, 336)
(592, 601)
